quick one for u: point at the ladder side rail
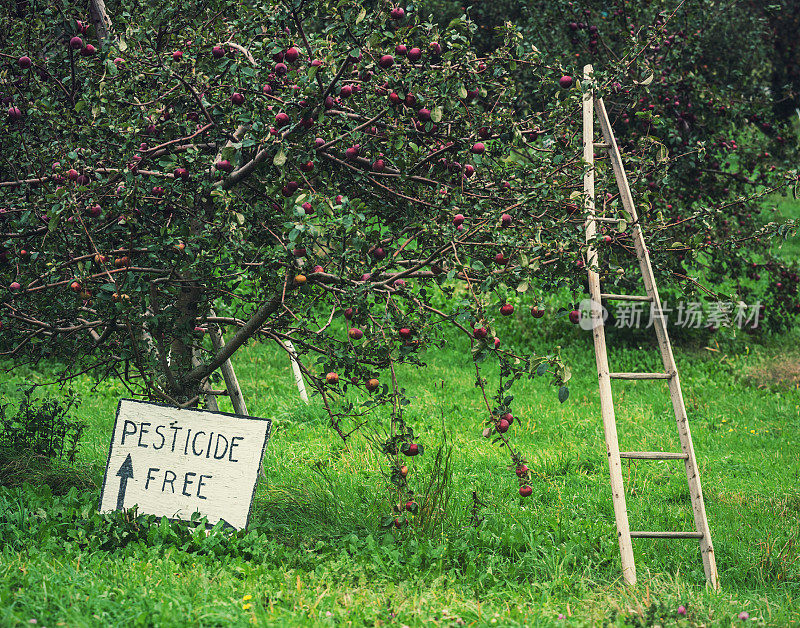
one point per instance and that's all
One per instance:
(601, 356)
(668, 359)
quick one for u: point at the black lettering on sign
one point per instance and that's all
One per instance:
(169, 481)
(217, 454)
(194, 442)
(234, 444)
(187, 482)
(150, 476)
(208, 448)
(142, 432)
(175, 431)
(163, 440)
(200, 485)
(125, 431)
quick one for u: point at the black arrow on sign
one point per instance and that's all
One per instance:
(124, 474)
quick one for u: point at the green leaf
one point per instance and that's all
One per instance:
(280, 157)
(436, 114)
(462, 92)
(563, 394)
(361, 15)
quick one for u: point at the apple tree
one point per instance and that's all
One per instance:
(359, 182)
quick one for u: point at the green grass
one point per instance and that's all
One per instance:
(316, 555)
(786, 208)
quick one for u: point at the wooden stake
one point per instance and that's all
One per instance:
(298, 374)
(228, 374)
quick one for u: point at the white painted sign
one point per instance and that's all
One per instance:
(175, 462)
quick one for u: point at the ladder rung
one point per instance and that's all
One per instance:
(653, 455)
(666, 535)
(625, 297)
(602, 145)
(613, 221)
(640, 375)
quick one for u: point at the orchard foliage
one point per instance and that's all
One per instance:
(718, 101)
(356, 181)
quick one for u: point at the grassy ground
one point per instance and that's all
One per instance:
(315, 553)
(786, 208)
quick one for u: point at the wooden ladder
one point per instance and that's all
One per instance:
(670, 374)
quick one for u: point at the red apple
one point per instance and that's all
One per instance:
(480, 333)
(355, 334)
(537, 312)
(404, 333)
(372, 384)
(176, 56)
(282, 119)
(478, 148)
(15, 114)
(25, 62)
(401, 49)
(507, 416)
(224, 165)
(332, 378)
(76, 43)
(521, 470)
(525, 491)
(414, 55)
(218, 52)
(15, 286)
(575, 317)
(507, 309)
(458, 220)
(378, 253)
(397, 13)
(292, 54)
(565, 81)
(412, 449)
(386, 61)
(502, 426)
(424, 114)
(348, 313)
(88, 50)
(435, 47)
(237, 98)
